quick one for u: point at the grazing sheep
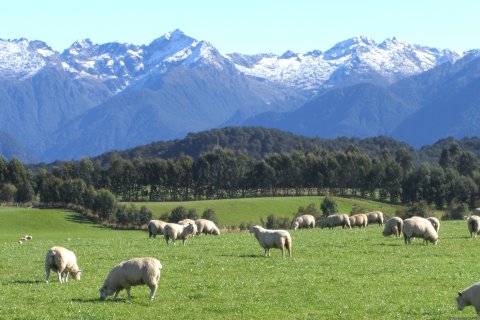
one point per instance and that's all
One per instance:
(63, 262)
(206, 227)
(335, 220)
(185, 222)
(393, 226)
(469, 297)
(359, 220)
(268, 239)
(473, 223)
(305, 221)
(155, 227)
(28, 237)
(131, 273)
(435, 223)
(375, 217)
(176, 231)
(419, 227)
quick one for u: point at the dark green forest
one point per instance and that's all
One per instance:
(251, 162)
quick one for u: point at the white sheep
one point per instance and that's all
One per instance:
(435, 223)
(176, 231)
(268, 239)
(206, 227)
(335, 220)
(63, 262)
(394, 226)
(155, 227)
(419, 227)
(473, 223)
(131, 273)
(304, 221)
(359, 220)
(185, 222)
(469, 297)
(375, 217)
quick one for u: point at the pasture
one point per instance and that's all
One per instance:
(334, 274)
(236, 211)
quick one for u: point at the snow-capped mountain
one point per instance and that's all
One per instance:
(359, 59)
(20, 59)
(92, 98)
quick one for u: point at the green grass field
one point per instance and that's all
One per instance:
(334, 274)
(235, 211)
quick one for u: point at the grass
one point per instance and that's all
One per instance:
(334, 274)
(236, 211)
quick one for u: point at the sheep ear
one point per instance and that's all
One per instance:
(459, 293)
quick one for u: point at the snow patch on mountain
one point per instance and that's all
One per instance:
(21, 59)
(361, 56)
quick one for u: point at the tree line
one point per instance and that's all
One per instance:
(223, 173)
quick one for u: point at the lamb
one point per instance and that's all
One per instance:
(273, 239)
(335, 220)
(155, 227)
(304, 221)
(435, 223)
(375, 217)
(419, 227)
(130, 273)
(393, 226)
(176, 231)
(469, 297)
(473, 223)
(63, 262)
(359, 220)
(206, 227)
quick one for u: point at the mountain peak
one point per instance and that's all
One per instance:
(175, 34)
(289, 54)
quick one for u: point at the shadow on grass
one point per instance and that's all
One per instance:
(28, 281)
(244, 255)
(97, 300)
(389, 244)
(78, 218)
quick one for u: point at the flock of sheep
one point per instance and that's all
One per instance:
(146, 270)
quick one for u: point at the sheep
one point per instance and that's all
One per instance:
(419, 227)
(375, 217)
(185, 222)
(473, 223)
(63, 262)
(359, 220)
(393, 226)
(130, 273)
(435, 223)
(335, 220)
(273, 239)
(155, 227)
(28, 237)
(176, 231)
(206, 227)
(469, 297)
(304, 221)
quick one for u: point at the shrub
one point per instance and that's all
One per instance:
(210, 214)
(455, 211)
(329, 206)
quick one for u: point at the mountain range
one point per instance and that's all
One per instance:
(92, 98)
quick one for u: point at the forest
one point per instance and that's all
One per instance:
(378, 172)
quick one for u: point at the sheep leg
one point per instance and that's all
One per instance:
(65, 277)
(267, 252)
(128, 293)
(153, 290)
(59, 276)
(116, 294)
(47, 276)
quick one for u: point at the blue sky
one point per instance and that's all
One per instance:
(246, 26)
